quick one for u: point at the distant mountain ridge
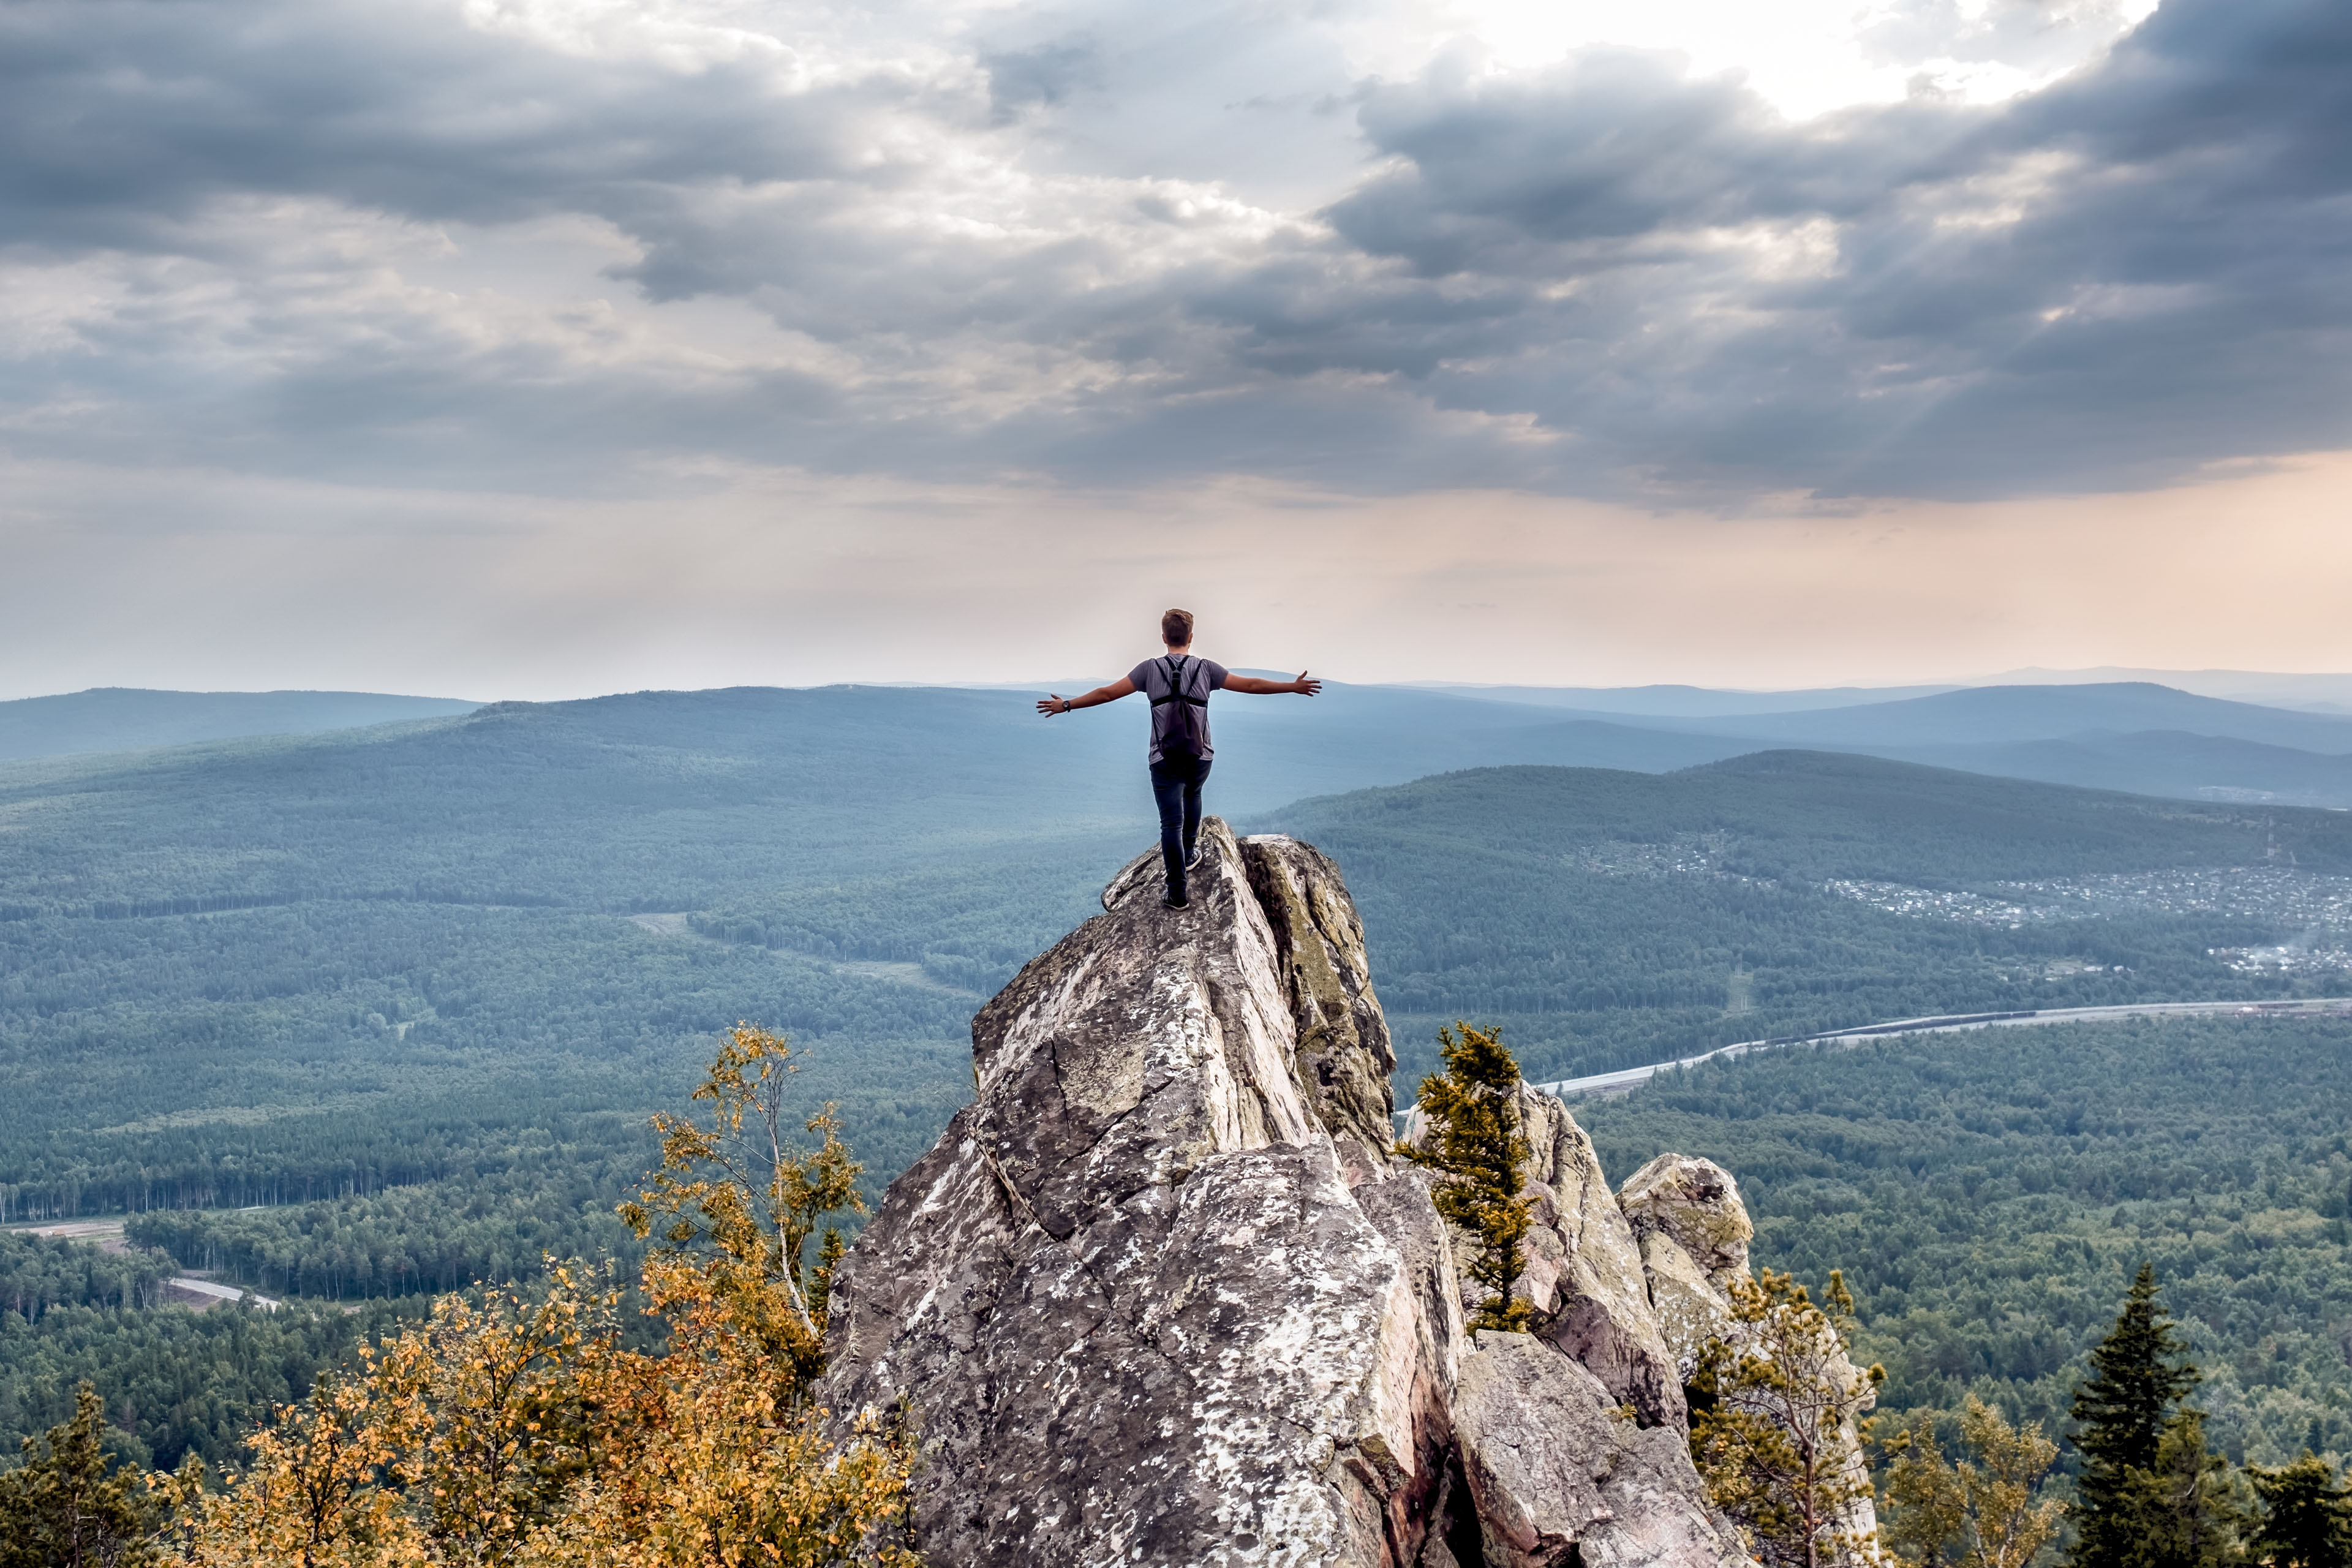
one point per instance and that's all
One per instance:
(1684, 701)
(2318, 693)
(2140, 737)
(2003, 714)
(135, 719)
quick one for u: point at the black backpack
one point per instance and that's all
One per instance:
(1184, 733)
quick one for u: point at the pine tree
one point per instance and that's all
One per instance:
(60, 1509)
(2009, 1528)
(1477, 1147)
(1777, 1425)
(2185, 1509)
(2139, 1376)
(1925, 1517)
(2306, 1516)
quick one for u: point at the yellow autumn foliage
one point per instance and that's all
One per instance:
(515, 1431)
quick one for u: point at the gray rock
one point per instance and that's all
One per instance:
(1559, 1471)
(1602, 1314)
(1694, 1232)
(1689, 1307)
(1140, 1313)
(1344, 1055)
(1583, 1267)
(1160, 1296)
(1696, 1203)
(1401, 1210)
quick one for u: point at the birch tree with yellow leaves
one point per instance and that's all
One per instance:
(515, 1431)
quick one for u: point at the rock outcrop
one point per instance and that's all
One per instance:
(1599, 1305)
(1557, 1467)
(1694, 1232)
(1162, 1295)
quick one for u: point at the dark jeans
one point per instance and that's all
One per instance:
(1176, 784)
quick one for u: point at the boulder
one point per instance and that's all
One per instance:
(1694, 1232)
(1696, 1202)
(1561, 1473)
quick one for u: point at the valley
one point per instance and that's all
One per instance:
(352, 1017)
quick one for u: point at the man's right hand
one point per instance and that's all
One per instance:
(1303, 686)
(1056, 703)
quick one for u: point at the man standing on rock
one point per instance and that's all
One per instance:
(1178, 686)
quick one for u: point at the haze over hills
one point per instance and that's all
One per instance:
(129, 718)
(2134, 736)
(1998, 714)
(2317, 693)
(2158, 762)
(1688, 701)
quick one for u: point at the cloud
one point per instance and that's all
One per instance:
(2102, 285)
(555, 246)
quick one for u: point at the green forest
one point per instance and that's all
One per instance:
(357, 1017)
(1600, 915)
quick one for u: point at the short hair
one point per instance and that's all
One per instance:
(1176, 629)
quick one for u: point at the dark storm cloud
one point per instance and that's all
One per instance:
(1605, 278)
(121, 118)
(2123, 276)
(1042, 76)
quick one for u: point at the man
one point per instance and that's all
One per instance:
(1178, 686)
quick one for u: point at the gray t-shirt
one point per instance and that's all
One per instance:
(1200, 677)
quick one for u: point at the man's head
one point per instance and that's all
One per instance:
(1176, 629)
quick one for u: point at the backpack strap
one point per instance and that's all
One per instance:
(1177, 670)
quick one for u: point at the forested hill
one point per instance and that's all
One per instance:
(263, 971)
(412, 990)
(1608, 918)
(126, 718)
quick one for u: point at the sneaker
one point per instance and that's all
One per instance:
(1193, 859)
(1176, 900)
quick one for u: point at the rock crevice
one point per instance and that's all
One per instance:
(1161, 1294)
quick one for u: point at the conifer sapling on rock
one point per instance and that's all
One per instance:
(1477, 1146)
(1777, 1425)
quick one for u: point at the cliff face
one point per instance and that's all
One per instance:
(1161, 1295)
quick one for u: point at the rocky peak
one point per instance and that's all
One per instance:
(1696, 1205)
(1161, 1294)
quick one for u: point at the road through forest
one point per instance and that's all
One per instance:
(1624, 1080)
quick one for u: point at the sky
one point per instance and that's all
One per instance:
(543, 348)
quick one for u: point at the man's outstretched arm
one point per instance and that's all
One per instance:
(1256, 687)
(1049, 706)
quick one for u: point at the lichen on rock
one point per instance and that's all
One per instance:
(1558, 1467)
(1694, 1232)
(1161, 1295)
